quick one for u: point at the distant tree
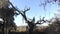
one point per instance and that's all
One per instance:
(47, 2)
(54, 27)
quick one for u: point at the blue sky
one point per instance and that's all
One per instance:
(35, 10)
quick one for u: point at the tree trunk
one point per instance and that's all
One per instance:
(5, 30)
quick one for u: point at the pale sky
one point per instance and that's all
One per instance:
(35, 10)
